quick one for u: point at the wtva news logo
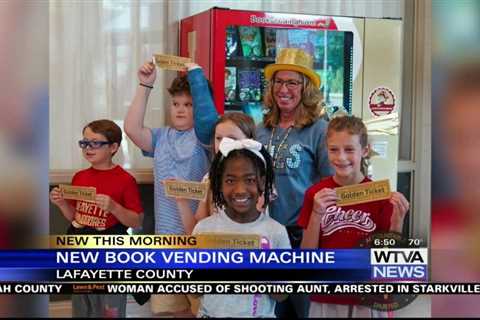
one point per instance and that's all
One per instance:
(399, 264)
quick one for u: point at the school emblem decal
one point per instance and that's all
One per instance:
(381, 101)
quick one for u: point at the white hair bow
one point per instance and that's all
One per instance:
(227, 145)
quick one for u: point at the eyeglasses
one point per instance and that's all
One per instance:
(93, 144)
(291, 84)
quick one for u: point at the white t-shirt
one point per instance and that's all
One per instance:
(274, 236)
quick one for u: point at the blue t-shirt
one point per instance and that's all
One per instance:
(301, 162)
(177, 154)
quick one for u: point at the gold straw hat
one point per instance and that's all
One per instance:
(292, 59)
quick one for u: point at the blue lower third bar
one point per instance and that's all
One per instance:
(185, 258)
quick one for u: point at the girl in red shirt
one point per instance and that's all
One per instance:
(327, 225)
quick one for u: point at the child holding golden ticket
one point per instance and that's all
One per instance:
(328, 224)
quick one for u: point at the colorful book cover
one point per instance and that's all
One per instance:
(231, 44)
(270, 42)
(250, 85)
(251, 41)
(230, 83)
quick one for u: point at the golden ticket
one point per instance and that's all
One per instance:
(169, 62)
(78, 193)
(186, 189)
(363, 192)
(228, 241)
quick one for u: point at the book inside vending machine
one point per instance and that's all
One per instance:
(359, 61)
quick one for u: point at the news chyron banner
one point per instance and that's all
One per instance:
(385, 268)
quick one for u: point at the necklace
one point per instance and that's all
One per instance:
(277, 152)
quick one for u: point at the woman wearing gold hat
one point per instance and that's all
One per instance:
(293, 133)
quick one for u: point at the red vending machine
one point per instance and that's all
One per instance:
(358, 59)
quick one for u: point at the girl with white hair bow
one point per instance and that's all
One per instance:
(240, 174)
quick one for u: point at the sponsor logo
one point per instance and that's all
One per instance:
(381, 101)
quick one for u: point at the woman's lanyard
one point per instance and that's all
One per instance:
(277, 152)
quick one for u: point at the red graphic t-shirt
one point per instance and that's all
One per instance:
(116, 183)
(345, 227)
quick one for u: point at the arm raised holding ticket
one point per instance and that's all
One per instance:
(177, 154)
(234, 125)
(329, 225)
(134, 121)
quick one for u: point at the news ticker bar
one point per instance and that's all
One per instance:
(242, 288)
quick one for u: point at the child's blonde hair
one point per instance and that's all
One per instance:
(354, 126)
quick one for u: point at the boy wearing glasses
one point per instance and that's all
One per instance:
(117, 206)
